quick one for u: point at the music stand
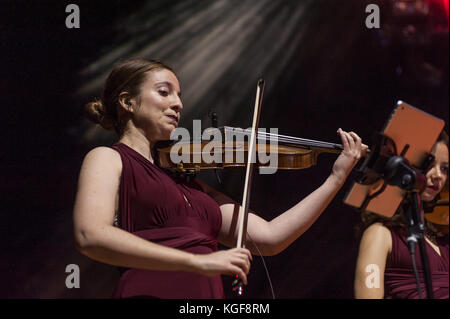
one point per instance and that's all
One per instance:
(393, 172)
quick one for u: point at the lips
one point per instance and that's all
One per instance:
(173, 117)
(433, 187)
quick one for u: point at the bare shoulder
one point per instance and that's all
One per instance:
(103, 153)
(102, 156)
(377, 229)
(379, 235)
(100, 165)
(98, 186)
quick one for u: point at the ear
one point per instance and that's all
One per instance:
(126, 102)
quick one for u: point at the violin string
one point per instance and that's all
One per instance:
(264, 264)
(303, 142)
(296, 140)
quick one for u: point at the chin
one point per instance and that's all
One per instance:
(168, 132)
(427, 197)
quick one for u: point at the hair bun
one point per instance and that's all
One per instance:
(95, 112)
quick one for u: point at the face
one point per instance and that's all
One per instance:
(438, 173)
(160, 104)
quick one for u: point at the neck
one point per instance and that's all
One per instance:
(139, 143)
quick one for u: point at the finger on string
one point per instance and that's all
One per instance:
(343, 139)
(355, 136)
(350, 140)
(357, 139)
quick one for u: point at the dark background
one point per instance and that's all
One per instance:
(323, 69)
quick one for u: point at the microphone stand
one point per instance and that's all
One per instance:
(414, 214)
(398, 172)
(384, 163)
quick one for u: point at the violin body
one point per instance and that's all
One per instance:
(217, 155)
(231, 150)
(439, 215)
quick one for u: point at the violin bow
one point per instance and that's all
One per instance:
(243, 212)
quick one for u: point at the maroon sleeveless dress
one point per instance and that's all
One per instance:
(400, 281)
(152, 205)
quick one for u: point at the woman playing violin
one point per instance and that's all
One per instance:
(384, 244)
(160, 230)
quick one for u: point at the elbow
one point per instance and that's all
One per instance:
(83, 241)
(267, 245)
(269, 250)
(273, 251)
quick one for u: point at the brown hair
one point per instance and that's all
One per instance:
(126, 76)
(398, 220)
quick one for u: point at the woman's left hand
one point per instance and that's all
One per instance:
(349, 156)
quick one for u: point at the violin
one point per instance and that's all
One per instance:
(289, 152)
(292, 153)
(439, 215)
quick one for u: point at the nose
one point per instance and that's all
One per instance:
(177, 104)
(436, 173)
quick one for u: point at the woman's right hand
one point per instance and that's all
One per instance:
(235, 261)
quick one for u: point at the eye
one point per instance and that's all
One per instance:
(444, 169)
(430, 166)
(163, 92)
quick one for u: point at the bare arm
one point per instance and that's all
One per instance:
(374, 249)
(274, 236)
(96, 237)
